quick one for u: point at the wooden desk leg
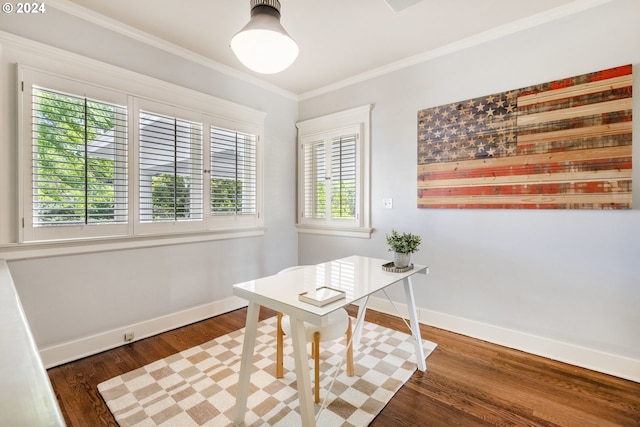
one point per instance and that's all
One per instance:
(303, 376)
(245, 363)
(362, 310)
(279, 348)
(415, 326)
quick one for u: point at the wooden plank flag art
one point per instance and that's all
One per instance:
(559, 145)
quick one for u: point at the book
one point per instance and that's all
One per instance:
(321, 296)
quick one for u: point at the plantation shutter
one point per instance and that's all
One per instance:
(234, 160)
(343, 177)
(170, 169)
(79, 155)
(330, 182)
(315, 179)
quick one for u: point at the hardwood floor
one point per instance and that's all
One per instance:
(468, 382)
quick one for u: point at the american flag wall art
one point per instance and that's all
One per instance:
(559, 145)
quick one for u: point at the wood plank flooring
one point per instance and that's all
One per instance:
(468, 382)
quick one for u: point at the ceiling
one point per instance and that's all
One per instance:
(339, 40)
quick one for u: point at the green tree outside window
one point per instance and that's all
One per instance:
(226, 196)
(170, 196)
(72, 185)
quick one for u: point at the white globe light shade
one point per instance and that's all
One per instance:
(264, 46)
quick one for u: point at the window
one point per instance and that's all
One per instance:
(333, 171)
(334, 179)
(233, 172)
(170, 168)
(343, 189)
(76, 147)
(315, 175)
(79, 160)
(234, 176)
(99, 162)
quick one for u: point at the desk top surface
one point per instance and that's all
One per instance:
(357, 276)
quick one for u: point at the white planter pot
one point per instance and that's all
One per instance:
(401, 260)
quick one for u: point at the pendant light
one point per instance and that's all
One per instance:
(263, 45)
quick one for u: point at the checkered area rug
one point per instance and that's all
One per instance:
(197, 387)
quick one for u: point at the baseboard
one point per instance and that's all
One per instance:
(583, 357)
(74, 350)
(595, 360)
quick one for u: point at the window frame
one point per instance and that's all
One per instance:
(121, 88)
(160, 227)
(323, 130)
(29, 231)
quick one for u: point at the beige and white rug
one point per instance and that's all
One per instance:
(197, 387)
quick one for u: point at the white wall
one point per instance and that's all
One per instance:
(564, 284)
(81, 303)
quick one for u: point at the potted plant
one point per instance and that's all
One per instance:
(403, 245)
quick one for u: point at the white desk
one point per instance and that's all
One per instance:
(358, 276)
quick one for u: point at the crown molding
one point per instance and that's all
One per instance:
(532, 21)
(151, 40)
(542, 18)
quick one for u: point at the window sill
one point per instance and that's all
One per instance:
(20, 251)
(362, 233)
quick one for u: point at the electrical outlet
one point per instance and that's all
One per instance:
(387, 203)
(128, 336)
